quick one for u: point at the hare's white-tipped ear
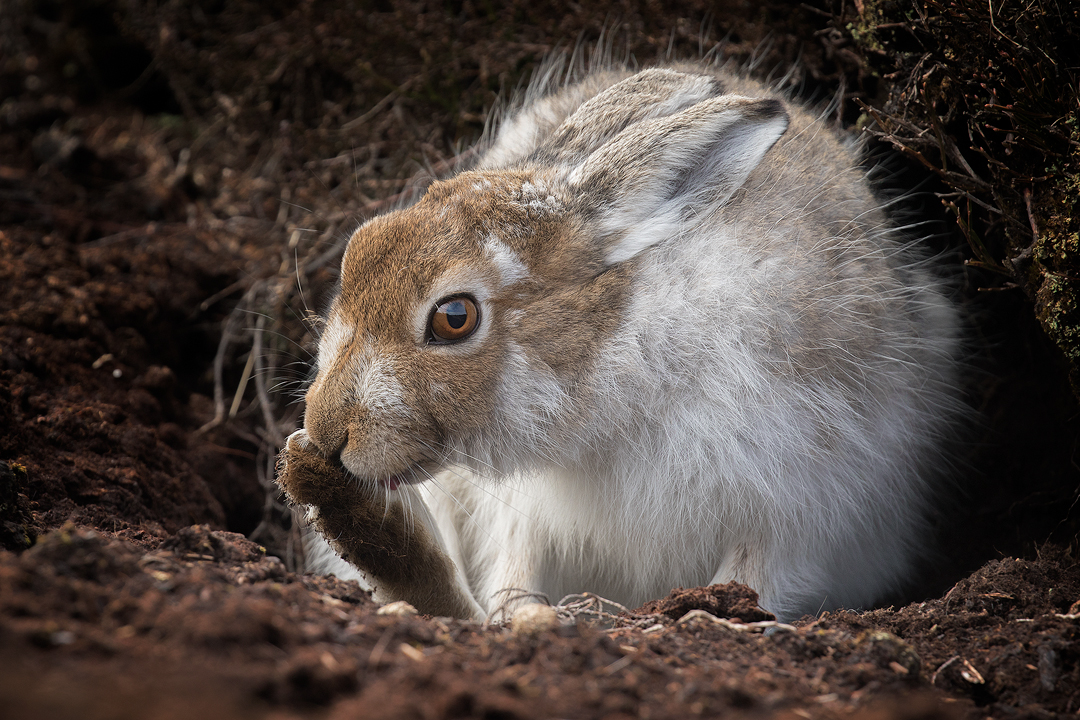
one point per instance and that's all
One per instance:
(648, 94)
(638, 186)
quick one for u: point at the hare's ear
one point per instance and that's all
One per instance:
(658, 92)
(637, 187)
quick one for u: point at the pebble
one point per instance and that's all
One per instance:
(398, 607)
(534, 619)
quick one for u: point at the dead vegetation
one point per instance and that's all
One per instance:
(987, 97)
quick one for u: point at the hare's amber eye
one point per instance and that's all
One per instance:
(453, 319)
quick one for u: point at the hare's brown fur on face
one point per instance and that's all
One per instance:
(388, 398)
(386, 279)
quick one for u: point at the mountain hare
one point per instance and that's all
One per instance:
(662, 334)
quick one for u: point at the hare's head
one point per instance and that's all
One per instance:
(467, 326)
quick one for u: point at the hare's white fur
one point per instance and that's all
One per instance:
(770, 407)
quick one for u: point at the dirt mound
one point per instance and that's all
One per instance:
(727, 601)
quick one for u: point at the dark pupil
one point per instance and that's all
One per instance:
(456, 314)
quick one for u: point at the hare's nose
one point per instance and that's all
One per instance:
(329, 436)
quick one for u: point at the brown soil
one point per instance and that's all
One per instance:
(168, 168)
(207, 623)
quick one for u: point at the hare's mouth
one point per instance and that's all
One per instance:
(393, 481)
(412, 475)
(412, 472)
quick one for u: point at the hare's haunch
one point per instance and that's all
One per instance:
(662, 334)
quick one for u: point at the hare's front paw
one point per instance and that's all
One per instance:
(346, 511)
(308, 478)
(372, 530)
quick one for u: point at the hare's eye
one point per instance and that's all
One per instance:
(454, 318)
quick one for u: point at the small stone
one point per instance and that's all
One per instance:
(534, 619)
(398, 607)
